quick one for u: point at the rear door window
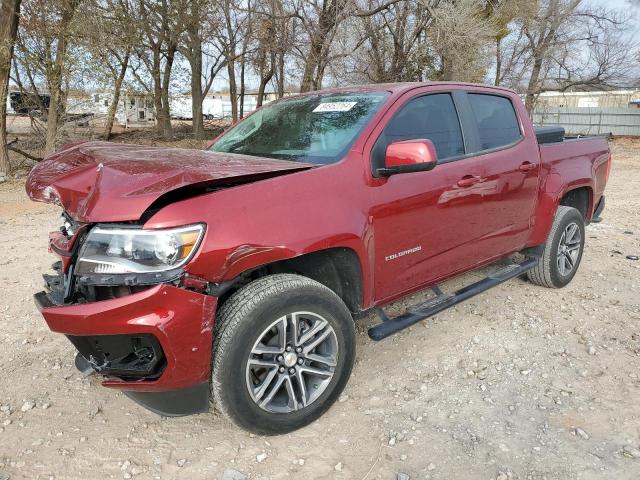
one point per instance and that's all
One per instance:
(496, 118)
(431, 117)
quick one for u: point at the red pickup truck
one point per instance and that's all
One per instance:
(235, 273)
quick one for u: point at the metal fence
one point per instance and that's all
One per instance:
(591, 121)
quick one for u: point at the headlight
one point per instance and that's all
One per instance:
(132, 250)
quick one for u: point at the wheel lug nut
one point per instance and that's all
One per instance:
(279, 358)
(300, 361)
(289, 348)
(299, 349)
(281, 369)
(292, 371)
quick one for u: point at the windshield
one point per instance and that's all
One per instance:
(312, 128)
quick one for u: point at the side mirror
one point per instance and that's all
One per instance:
(409, 156)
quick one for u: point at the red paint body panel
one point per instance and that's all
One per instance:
(457, 228)
(181, 320)
(107, 182)
(566, 166)
(408, 230)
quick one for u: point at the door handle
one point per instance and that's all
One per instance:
(527, 167)
(468, 180)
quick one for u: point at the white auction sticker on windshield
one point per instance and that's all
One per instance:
(334, 107)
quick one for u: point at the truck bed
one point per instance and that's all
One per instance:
(557, 134)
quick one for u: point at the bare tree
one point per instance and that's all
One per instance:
(534, 46)
(320, 19)
(461, 35)
(9, 16)
(55, 73)
(160, 22)
(109, 39)
(233, 36)
(265, 57)
(394, 43)
(271, 34)
(606, 53)
(201, 48)
(543, 32)
(503, 14)
(562, 44)
(246, 40)
(45, 37)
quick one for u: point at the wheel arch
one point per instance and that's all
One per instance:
(338, 268)
(578, 195)
(580, 198)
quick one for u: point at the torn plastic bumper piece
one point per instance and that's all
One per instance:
(127, 357)
(174, 403)
(159, 343)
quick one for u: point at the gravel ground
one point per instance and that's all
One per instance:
(521, 382)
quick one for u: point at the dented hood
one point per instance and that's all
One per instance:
(110, 182)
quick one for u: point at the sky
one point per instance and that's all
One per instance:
(630, 6)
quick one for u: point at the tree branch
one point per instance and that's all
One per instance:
(22, 152)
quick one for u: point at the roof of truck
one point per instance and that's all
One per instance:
(399, 87)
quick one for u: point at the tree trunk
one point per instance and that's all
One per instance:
(311, 64)
(280, 75)
(117, 87)
(533, 87)
(264, 81)
(242, 89)
(498, 78)
(55, 102)
(195, 60)
(58, 97)
(233, 89)
(197, 114)
(161, 94)
(318, 51)
(53, 116)
(166, 79)
(447, 69)
(243, 59)
(9, 16)
(157, 91)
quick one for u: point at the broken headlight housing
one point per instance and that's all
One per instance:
(115, 251)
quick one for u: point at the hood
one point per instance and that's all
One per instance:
(111, 182)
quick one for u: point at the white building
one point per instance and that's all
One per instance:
(589, 99)
(136, 109)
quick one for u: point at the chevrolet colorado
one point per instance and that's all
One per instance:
(234, 274)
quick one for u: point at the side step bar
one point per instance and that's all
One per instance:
(443, 301)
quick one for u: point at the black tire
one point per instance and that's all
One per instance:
(238, 327)
(548, 273)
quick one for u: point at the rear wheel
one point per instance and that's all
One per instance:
(284, 349)
(562, 251)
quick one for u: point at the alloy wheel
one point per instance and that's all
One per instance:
(569, 249)
(292, 362)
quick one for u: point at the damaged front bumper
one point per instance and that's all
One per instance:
(154, 344)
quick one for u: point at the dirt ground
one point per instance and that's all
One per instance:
(521, 382)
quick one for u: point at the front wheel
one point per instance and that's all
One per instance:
(283, 352)
(562, 251)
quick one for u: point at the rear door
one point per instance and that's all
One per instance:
(508, 166)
